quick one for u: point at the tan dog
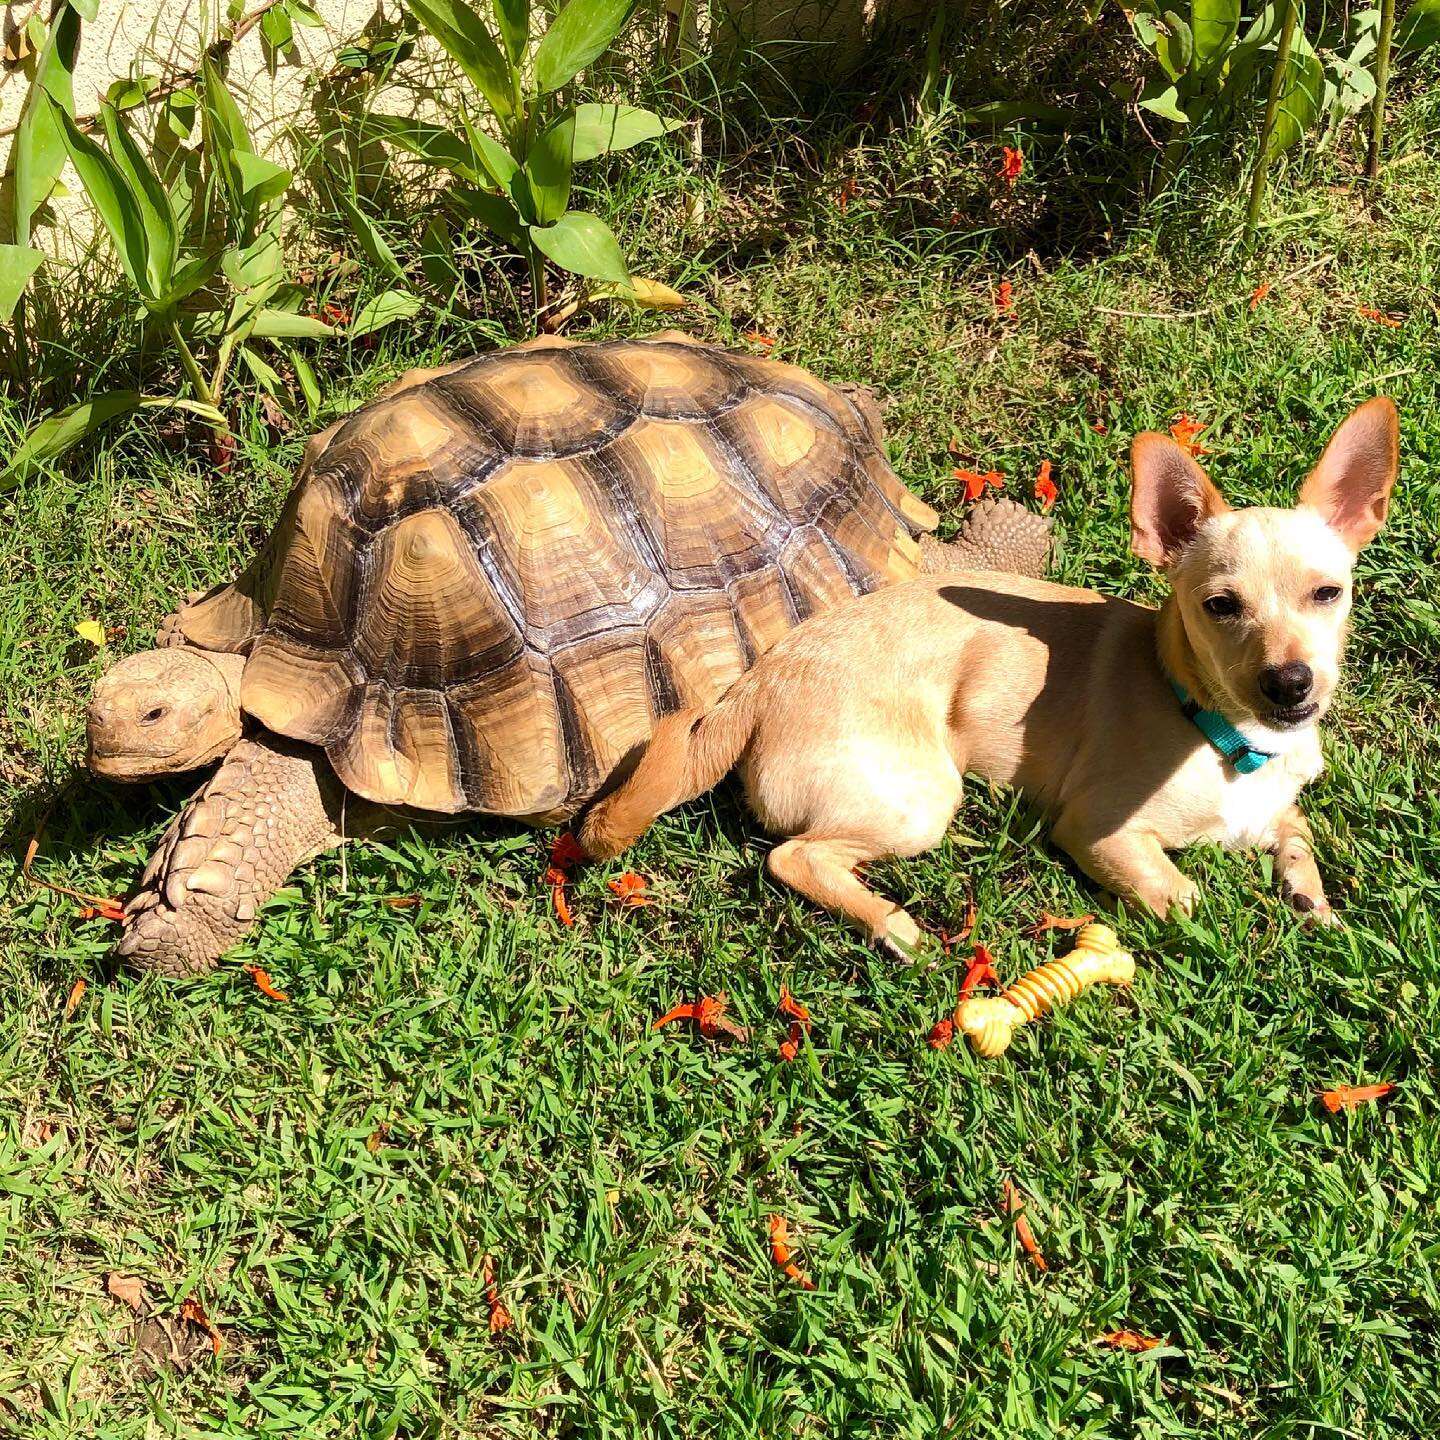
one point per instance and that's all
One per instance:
(852, 734)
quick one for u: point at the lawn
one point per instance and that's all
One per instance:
(464, 1077)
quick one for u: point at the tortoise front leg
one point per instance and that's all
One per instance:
(270, 807)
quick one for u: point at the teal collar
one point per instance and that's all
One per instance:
(1221, 734)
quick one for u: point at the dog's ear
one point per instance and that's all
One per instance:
(1170, 498)
(1351, 485)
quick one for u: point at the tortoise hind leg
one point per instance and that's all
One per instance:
(270, 807)
(997, 534)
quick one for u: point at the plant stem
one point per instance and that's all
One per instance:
(1382, 80)
(539, 285)
(192, 369)
(1267, 128)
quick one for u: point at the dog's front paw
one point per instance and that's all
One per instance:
(1183, 900)
(903, 937)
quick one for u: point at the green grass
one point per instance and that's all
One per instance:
(1182, 1179)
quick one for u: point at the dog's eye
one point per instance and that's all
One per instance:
(1326, 595)
(1224, 606)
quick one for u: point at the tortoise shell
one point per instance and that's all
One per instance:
(488, 584)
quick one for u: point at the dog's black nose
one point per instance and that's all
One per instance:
(1286, 685)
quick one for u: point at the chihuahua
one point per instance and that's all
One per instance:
(1138, 731)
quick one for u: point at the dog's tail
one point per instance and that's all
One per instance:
(689, 752)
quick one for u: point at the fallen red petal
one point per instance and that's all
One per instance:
(981, 971)
(942, 1032)
(1012, 164)
(1046, 491)
(1130, 1340)
(1047, 921)
(780, 1253)
(1004, 297)
(629, 890)
(194, 1312)
(1184, 431)
(1015, 1207)
(1259, 293)
(1350, 1097)
(263, 983)
(1379, 317)
(77, 994)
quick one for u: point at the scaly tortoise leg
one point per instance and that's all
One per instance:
(271, 806)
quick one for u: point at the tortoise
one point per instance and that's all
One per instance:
(484, 589)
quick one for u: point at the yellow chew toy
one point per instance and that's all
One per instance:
(990, 1022)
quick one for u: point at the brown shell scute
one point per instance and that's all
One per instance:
(487, 586)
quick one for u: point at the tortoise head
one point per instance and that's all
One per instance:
(162, 712)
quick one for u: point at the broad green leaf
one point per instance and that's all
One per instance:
(1213, 26)
(110, 195)
(261, 180)
(278, 28)
(284, 325)
(603, 128)
(128, 93)
(437, 254)
(192, 276)
(88, 9)
(1300, 97)
(265, 373)
(433, 144)
(305, 376)
(1419, 28)
(257, 266)
(583, 244)
(648, 294)
(495, 159)
(1002, 113)
(385, 310)
(467, 38)
(580, 33)
(306, 15)
(17, 264)
(38, 155)
(224, 137)
(513, 18)
(52, 437)
(1175, 50)
(150, 199)
(371, 241)
(546, 174)
(1163, 100)
(494, 212)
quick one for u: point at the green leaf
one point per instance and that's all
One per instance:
(306, 15)
(513, 17)
(305, 376)
(110, 195)
(257, 266)
(581, 33)
(494, 212)
(52, 437)
(88, 9)
(39, 148)
(190, 277)
(1163, 100)
(273, 324)
(265, 373)
(583, 244)
(128, 93)
(1420, 27)
(547, 174)
(261, 180)
(465, 35)
(497, 161)
(1300, 99)
(277, 28)
(433, 144)
(385, 310)
(371, 241)
(1213, 25)
(600, 129)
(437, 254)
(153, 203)
(17, 264)
(1175, 51)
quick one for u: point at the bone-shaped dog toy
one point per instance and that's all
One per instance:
(989, 1022)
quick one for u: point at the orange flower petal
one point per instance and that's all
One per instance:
(192, 1311)
(1046, 491)
(1004, 297)
(942, 1032)
(1379, 317)
(1350, 1097)
(780, 1253)
(77, 994)
(1184, 431)
(1015, 1208)
(629, 890)
(1047, 921)
(263, 983)
(1130, 1340)
(1012, 164)
(755, 337)
(1259, 293)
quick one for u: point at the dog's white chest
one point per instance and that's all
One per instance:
(1250, 805)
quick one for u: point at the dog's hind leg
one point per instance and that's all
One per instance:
(822, 868)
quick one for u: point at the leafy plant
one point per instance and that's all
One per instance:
(196, 230)
(519, 186)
